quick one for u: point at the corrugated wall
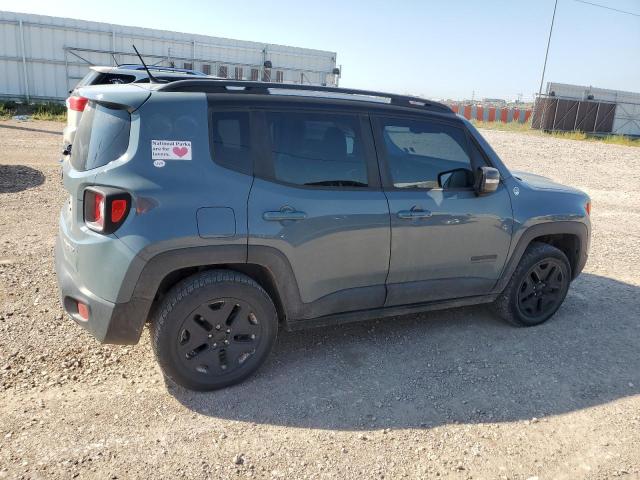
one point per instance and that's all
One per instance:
(56, 51)
(625, 116)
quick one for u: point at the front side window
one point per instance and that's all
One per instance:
(231, 140)
(425, 154)
(317, 149)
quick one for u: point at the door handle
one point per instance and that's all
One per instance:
(414, 213)
(285, 213)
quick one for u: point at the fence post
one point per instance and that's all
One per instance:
(24, 62)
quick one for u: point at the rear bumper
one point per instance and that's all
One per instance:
(117, 323)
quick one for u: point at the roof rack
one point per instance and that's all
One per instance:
(213, 85)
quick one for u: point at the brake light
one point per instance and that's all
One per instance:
(94, 210)
(118, 209)
(587, 207)
(105, 208)
(77, 103)
(98, 209)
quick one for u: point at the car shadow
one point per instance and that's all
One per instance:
(31, 129)
(453, 366)
(16, 178)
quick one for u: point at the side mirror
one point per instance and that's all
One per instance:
(456, 178)
(488, 180)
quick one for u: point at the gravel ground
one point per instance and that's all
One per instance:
(454, 394)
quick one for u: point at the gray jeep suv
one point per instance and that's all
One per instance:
(220, 211)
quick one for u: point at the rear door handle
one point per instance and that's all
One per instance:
(414, 213)
(285, 213)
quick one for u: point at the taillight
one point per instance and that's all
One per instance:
(105, 208)
(98, 210)
(587, 207)
(118, 209)
(77, 103)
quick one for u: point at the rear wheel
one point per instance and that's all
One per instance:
(213, 330)
(537, 288)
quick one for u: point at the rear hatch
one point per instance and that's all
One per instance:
(106, 138)
(103, 137)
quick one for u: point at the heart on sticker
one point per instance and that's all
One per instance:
(180, 151)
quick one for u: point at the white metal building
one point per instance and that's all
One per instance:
(626, 119)
(42, 58)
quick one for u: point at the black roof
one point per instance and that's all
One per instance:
(212, 85)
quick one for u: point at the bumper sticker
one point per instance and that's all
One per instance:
(170, 150)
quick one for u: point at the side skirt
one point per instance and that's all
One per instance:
(376, 313)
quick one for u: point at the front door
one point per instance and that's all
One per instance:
(317, 200)
(446, 242)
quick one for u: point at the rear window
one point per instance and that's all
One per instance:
(317, 149)
(102, 136)
(98, 78)
(115, 79)
(88, 79)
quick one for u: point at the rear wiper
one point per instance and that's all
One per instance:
(337, 183)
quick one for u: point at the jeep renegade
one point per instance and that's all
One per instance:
(220, 211)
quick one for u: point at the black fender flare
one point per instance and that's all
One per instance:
(144, 277)
(579, 229)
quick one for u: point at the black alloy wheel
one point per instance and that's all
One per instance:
(542, 289)
(219, 336)
(213, 329)
(537, 287)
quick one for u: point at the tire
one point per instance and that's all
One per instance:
(213, 330)
(537, 288)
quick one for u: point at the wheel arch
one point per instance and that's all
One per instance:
(147, 281)
(568, 243)
(259, 273)
(572, 238)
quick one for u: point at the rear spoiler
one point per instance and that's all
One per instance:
(124, 97)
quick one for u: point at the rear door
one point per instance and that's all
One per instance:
(446, 242)
(317, 200)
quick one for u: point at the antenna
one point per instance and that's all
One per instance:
(114, 60)
(152, 79)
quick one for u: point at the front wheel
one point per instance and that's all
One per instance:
(214, 329)
(537, 288)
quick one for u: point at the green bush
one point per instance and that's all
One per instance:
(49, 111)
(7, 110)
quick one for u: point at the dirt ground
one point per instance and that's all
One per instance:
(455, 393)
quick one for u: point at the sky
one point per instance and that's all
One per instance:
(438, 49)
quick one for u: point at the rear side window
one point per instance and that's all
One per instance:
(230, 135)
(102, 136)
(317, 149)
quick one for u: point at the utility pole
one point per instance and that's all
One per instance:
(546, 55)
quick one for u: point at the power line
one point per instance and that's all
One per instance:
(608, 8)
